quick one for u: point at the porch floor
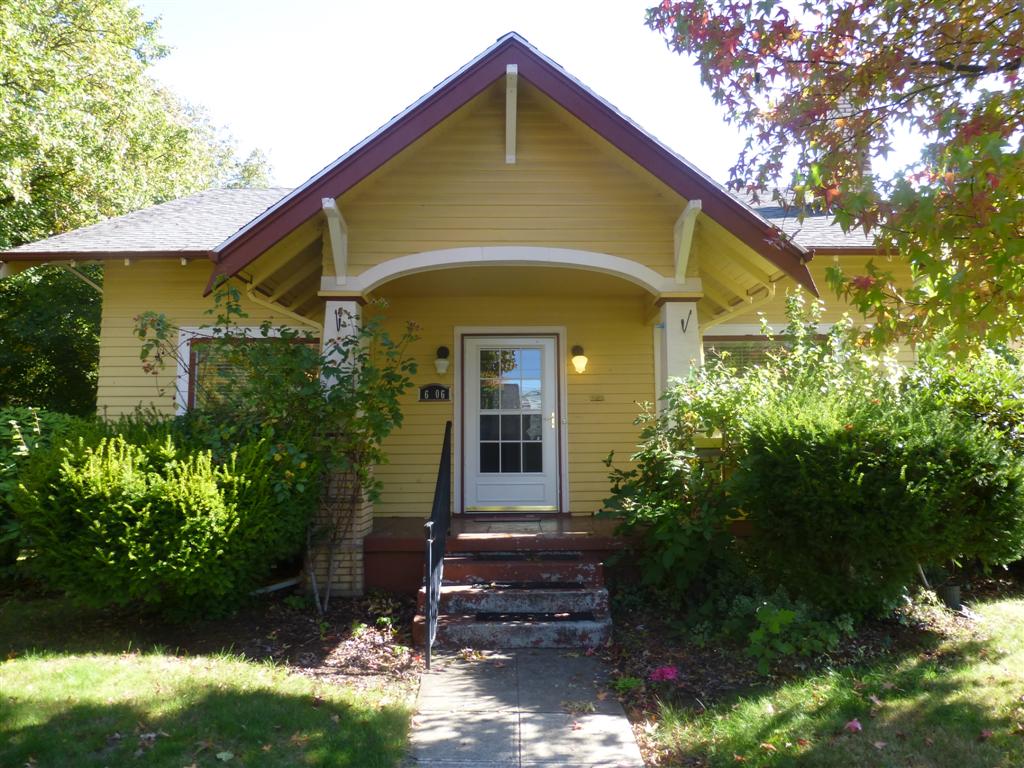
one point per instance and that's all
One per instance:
(480, 533)
(393, 551)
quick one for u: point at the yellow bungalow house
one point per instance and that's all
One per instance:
(516, 217)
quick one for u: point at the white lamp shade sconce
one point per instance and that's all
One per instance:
(441, 361)
(579, 360)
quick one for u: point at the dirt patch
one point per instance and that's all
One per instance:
(358, 642)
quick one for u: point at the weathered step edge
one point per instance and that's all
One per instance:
(479, 598)
(468, 632)
(473, 571)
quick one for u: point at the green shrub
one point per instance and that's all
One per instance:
(850, 471)
(158, 524)
(672, 501)
(26, 435)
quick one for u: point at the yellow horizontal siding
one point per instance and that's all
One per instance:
(159, 286)
(453, 189)
(621, 370)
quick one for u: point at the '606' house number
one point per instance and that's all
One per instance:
(430, 393)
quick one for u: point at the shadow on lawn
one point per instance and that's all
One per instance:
(914, 709)
(257, 728)
(346, 642)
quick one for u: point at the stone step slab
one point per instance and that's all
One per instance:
(472, 570)
(512, 633)
(483, 598)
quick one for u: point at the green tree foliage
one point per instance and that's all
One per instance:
(85, 134)
(829, 86)
(49, 343)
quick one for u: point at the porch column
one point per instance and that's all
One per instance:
(341, 319)
(677, 343)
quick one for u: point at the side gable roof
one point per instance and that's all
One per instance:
(187, 227)
(248, 243)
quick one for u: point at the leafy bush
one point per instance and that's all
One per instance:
(25, 435)
(850, 472)
(845, 501)
(162, 525)
(673, 499)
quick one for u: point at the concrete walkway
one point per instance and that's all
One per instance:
(535, 708)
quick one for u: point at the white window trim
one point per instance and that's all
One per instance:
(189, 333)
(563, 403)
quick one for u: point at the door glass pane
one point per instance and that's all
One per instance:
(510, 427)
(511, 403)
(530, 362)
(531, 426)
(488, 427)
(510, 457)
(533, 457)
(489, 457)
(489, 394)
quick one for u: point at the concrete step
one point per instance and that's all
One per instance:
(467, 569)
(517, 632)
(483, 598)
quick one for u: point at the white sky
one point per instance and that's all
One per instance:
(305, 80)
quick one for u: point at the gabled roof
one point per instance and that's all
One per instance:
(191, 227)
(247, 244)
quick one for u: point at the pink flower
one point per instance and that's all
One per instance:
(853, 726)
(661, 674)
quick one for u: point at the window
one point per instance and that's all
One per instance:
(741, 351)
(213, 369)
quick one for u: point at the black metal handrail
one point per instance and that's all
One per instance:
(436, 531)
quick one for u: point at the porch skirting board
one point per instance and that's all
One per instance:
(349, 577)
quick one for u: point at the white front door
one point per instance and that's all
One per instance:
(510, 424)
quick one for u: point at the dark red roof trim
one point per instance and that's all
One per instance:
(242, 249)
(11, 256)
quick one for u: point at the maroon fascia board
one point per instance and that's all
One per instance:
(12, 256)
(334, 181)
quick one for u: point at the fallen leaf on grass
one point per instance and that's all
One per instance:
(853, 726)
(739, 758)
(769, 747)
(985, 735)
(803, 742)
(875, 700)
(267, 747)
(928, 741)
(225, 756)
(881, 744)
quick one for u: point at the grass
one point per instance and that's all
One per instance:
(104, 707)
(960, 704)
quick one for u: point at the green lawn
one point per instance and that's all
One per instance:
(74, 707)
(960, 705)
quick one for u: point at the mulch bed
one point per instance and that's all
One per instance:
(648, 638)
(359, 641)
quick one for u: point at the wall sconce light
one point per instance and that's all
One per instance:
(579, 360)
(441, 361)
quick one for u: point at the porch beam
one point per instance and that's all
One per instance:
(747, 306)
(511, 104)
(337, 237)
(683, 237)
(260, 300)
(296, 277)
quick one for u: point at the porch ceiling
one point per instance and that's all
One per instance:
(289, 275)
(511, 281)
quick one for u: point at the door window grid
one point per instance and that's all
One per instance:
(511, 437)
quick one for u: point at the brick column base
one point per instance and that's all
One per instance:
(349, 576)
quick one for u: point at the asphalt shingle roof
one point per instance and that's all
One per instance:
(199, 222)
(815, 231)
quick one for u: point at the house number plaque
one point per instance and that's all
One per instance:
(432, 393)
